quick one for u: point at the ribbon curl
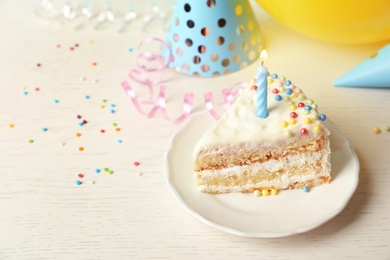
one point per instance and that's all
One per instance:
(139, 75)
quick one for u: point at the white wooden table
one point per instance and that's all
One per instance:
(45, 215)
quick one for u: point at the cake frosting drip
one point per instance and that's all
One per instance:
(240, 125)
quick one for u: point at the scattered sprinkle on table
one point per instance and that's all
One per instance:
(92, 182)
(136, 163)
(78, 117)
(78, 134)
(105, 169)
(114, 124)
(39, 65)
(81, 148)
(102, 106)
(30, 141)
(387, 128)
(36, 89)
(120, 141)
(117, 129)
(80, 175)
(97, 170)
(56, 101)
(58, 46)
(11, 125)
(62, 144)
(376, 130)
(94, 63)
(78, 182)
(86, 97)
(110, 171)
(25, 93)
(130, 49)
(112, 111)
(44, 129)
(71, 48)
(102, 131)
(139, 174)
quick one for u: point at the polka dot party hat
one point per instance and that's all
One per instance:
(212, 37)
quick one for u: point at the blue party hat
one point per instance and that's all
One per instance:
(211, 37)
(373, 72)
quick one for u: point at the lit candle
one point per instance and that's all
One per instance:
(262, 87)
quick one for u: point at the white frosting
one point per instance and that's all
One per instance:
(239, 124)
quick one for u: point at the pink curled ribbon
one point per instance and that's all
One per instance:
(229, 96)
(139, 76)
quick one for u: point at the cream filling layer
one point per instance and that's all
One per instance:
(282, 181)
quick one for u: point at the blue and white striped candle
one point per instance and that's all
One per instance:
(262, 87)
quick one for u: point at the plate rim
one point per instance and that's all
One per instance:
(294, 231)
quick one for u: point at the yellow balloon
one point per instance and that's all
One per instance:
(340, 21)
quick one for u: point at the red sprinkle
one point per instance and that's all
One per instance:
(78, 116)
(293, 115)
(38, 64)
(85, 121)
(36, 89)
(58, 46)
(275, 91)
(301, 104)
(102, 131)
(304, 131)
(71, 48)
(136, 163)
(254, 87)
(80, 175)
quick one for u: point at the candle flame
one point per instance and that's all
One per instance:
(263, 55)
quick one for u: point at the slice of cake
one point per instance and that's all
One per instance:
(289, 149)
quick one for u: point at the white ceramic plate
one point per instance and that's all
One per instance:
(288, 213)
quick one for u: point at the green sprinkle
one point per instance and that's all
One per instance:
(104, 100)
(114, 124)
(105, 169)
(110, 171)
(31, 141)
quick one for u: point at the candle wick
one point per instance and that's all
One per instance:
(262, 63)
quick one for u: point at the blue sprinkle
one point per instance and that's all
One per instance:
(56, 101)
(274, 76)
(86, 97)
(306, 189)
(278, 97)
(288, 82)
(78, 182)
(308, 107)
(97, 170)
(112, 105)
(112, 111)
(25, 92)
(130, 49)
(44, 129)
(81, 124)
(120, 141)
(289, 91)
(322, 117)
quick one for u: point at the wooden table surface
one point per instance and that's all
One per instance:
(131, 213)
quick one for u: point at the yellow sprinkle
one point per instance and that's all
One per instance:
(293, 107)
(294, 95)
(265, 192)
(376, 130)
(283, 124)
(10, 125)
(292, 121)
(274, 191)
(256, 193)
(317, 128)
(270, 80)
(387, 128)
(307, 120)
(102, 106)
